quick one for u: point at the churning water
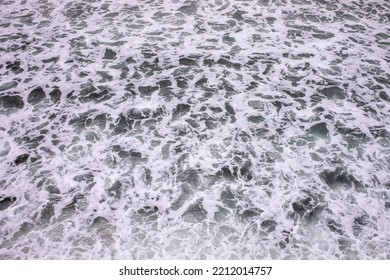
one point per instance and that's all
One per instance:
(220, 129)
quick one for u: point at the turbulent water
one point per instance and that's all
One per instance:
(219, 129)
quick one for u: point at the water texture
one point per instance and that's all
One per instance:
(221, 129)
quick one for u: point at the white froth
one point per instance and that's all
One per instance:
(194, 129)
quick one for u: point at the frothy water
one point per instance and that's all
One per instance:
(221, 129)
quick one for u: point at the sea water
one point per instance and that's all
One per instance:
(170, 129)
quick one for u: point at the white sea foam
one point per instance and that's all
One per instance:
(167, 129)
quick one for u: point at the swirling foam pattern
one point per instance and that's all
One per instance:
(220, 129)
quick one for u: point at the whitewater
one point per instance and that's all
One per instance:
(170, 129)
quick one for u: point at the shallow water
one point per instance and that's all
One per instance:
(195, 129)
